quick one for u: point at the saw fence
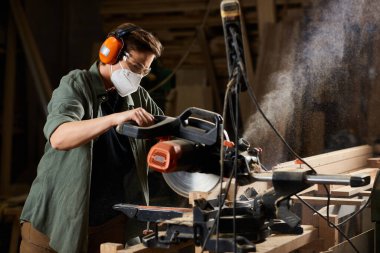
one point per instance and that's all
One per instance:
(317, 236)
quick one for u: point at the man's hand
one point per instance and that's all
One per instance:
(138, 115)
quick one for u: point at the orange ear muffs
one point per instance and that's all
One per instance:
(110, 50)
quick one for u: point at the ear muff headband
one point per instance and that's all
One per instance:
(111, 48)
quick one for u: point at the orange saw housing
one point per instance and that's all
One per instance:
(170, 156)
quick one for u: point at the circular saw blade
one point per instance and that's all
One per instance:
(185, 182)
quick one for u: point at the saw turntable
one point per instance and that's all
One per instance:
(189, 156)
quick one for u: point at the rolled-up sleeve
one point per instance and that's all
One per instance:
(66, 105)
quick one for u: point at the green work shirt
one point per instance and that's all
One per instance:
(58, 201)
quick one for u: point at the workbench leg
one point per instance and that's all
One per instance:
(329, 235)
(15, 236)
(110, 247)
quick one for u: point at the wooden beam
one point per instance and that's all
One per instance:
(36, 65)
(245, 110)
(326, 233)
(110, 247)
(211, 76)
(8, 111)
(266, 11)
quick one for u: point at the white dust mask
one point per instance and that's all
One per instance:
(125, 81)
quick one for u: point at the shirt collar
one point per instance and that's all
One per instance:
(97, 81)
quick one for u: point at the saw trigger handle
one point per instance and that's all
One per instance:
(164, 126)
(200, 126)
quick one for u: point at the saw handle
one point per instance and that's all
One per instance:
(200, 125)
(202, 113)
(164, 126)
(194, 124)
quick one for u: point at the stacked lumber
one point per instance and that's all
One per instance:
(344, 201)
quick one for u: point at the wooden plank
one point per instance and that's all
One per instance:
(363, 242)
(8, 111)
(282, 243)
(196, 195)
(373, 162)
(336, 162)
(110, 247)
(347, 191)
(365, 193)
(307, 215)
(333, 201)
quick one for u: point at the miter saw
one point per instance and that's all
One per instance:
(188, 154)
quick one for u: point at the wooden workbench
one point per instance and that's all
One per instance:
(276, 243)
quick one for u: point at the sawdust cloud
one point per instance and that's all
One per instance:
(319, 57)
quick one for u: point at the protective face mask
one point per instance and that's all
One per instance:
(125, 81)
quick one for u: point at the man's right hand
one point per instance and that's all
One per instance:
(138, 115)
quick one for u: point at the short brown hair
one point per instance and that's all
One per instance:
(139, 39)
